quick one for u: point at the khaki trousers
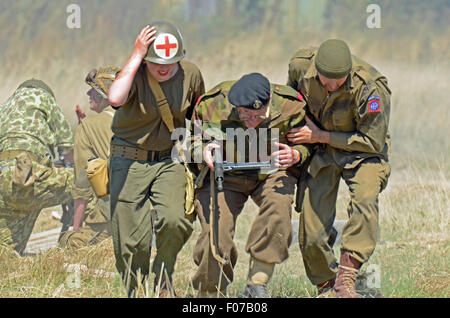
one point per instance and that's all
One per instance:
(359, 235)
(269, 236)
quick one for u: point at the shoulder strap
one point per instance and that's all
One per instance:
(166, 114)
(161, 101)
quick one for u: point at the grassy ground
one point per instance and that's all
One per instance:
(412, 255)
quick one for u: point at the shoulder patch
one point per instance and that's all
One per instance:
(374, 105)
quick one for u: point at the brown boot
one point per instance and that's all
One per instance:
(324, 288)
(345, 281)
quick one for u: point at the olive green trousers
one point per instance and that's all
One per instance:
(135, 186)
(359, 235)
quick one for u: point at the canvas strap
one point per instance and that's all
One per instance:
(161, 101)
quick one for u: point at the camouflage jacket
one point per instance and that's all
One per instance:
(31, 120)
(214, 114)
(356, 115)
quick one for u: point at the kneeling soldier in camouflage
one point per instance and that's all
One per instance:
(92, 140)
(250, 103)
(31, 126)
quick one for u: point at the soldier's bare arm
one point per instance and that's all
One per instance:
(80, 208)
(120, 88)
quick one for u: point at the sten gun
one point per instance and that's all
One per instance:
(221, 167)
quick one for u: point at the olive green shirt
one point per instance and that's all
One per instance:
(138, 122)
(358, 128)
(92, 140)
(214, 114)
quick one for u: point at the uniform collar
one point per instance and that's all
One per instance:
(274, 109)
(311, 72)
(348, 85)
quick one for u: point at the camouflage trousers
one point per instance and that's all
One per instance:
(96, 228)
(27, 187)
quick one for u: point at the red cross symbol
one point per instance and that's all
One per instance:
(167, 46)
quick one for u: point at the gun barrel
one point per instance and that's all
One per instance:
(230, 166)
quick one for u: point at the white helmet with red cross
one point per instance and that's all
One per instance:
(168, 45)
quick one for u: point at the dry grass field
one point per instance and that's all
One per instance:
(413, 254)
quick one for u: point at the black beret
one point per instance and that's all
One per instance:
(251, 91)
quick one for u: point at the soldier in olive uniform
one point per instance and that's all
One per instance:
(249, 103)
(32, 125)
(142, 171)
(349, 103)
(92, 140)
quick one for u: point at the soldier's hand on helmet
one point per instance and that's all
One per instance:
(285, 156)
(143, 41)
(308, 134)
(208, 154)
